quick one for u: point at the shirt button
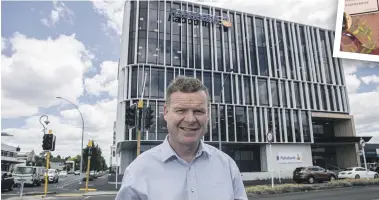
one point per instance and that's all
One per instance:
(192, 190)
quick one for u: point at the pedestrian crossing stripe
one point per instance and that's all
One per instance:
(69, 195)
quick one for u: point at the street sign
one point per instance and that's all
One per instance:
(269, 137)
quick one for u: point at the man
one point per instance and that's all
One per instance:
(183, 166)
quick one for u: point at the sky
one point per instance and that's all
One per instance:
(71, 49)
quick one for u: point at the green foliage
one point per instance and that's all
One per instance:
(97, 160)
(287, 188)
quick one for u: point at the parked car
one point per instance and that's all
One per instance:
(7, 181)
(312, 174)
(357, 172)
(77, 172)
(63, 173)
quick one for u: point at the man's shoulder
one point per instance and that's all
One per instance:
(217, 153)
(146, 158)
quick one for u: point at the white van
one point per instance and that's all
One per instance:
(28, 174)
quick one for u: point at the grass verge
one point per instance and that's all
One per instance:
(288, 188)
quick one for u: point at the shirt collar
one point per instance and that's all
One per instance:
(168, 152)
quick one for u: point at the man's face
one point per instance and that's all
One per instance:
(187, 117)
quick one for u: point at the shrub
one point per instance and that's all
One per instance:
(287, 188)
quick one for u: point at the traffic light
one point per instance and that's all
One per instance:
(131, 115)
(48, 142)
(149, 117)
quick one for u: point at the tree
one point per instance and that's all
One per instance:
(97, 160)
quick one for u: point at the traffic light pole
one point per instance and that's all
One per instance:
(89, 162)
(47, 166)
(139, 117)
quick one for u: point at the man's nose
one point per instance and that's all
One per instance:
(190, 117)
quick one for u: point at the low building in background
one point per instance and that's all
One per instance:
(9, 158)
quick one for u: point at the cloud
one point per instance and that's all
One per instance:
(113, 11)
(98, 122)
(60, 11)
(364, 106)
(39, 70)
(105, 81)
(371, 79)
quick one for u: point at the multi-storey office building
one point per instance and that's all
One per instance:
(284, 77)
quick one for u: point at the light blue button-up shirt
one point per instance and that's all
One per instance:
(160, 174)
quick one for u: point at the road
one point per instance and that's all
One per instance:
(354, 193)
(63, 185)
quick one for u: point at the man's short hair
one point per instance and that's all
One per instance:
(186, 85)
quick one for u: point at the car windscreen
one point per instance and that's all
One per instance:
(24, 170)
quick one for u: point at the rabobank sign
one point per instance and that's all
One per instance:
(289, 157)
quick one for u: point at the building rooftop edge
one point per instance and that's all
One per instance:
(240, 12)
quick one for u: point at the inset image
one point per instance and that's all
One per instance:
(357, 30)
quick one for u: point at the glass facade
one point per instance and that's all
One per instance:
(282, 71)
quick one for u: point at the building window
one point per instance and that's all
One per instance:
(271, 45)
(284, 93)
(252, 45)
(162, 124)
(231, 122)
(323, 97)
(208, 83)
(289, 126)
(214, 122)
(263, 92)
(297, 94)
(217, 86)
(152, 133)
(281, 50)
(157, 83)
(222, 123)
(241, 124)
(252, 124)
(261, 43)
(305, 124)
(296, 125)
(146, 92)
(274, 93)
(277, 117)
(290, 48)
(227, 89)
(248, 90)
(325, 61)
(133, 86)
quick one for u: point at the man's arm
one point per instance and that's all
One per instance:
(127, 192)
(238, 187)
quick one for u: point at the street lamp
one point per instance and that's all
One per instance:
(81, 147)
(363, 144)
(46, 122)
(219, 110)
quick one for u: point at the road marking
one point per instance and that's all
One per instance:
(69, 182)
(69, 195)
